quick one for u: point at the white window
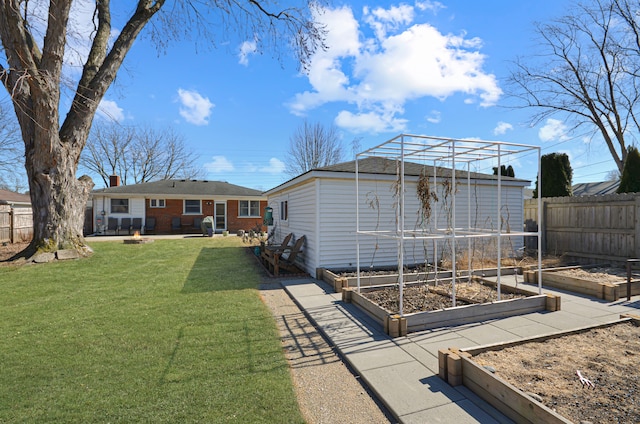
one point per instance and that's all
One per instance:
(249, 208)
(119, 205)
(192, 207)
(284, 210)
(156, 203)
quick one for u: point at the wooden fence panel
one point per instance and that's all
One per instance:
(16, 224)
(22, 225)
(595, 228)
(5, 223)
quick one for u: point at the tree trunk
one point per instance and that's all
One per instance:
(58, 198)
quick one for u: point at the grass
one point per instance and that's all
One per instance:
(172, 331)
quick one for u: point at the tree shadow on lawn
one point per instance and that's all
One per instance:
(223, 268)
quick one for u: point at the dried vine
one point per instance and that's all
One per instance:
(425, 195)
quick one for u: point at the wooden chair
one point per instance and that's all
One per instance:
(284, 245)
(278, 259)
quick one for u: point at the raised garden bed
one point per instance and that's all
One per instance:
(438, 312)
(597, 281)
(536, 379)
(339, 279)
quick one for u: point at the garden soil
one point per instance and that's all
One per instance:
(607, 357)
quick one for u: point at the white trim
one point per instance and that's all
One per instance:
(248, 208)
(215, 216)
(184, 207)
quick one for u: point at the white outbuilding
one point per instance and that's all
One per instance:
(358, 209)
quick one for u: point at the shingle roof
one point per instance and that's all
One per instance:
(7, 197)
(182, 187)
(379, 165)
(595, 189)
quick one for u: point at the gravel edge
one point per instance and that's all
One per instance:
(327, 390)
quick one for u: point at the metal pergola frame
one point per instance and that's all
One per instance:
(456, 152)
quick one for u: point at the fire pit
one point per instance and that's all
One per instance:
(136, 239)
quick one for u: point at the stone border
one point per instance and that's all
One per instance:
(396, 325)
(457, 367)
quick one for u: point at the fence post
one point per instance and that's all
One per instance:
(12, 226)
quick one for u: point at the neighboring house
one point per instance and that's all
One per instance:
(595, 189)
(16, 200)
(16, 219)
(321, 204)
(233, 207)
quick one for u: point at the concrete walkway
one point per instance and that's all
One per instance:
(403, 372)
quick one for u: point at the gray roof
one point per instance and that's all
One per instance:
(9, 197)
(173, 188)
(384, 166)
(595, 189)
(379, 165)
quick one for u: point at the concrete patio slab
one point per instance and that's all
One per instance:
(403, 372)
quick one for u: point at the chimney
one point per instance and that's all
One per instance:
(114, 181)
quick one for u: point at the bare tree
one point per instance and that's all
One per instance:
(138, 155)
(588, 72)
(35, 37)
(312, 146)
(106, 152)
(11, 152)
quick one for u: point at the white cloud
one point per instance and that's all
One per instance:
(369, 122)
(435, 117)
(385, 20)
(195, 108)
(218, 165)
(400, 62)
(247, 48)
(433, 6)
(502, 128)
(110, 110)
(275, 166)
(553, 129)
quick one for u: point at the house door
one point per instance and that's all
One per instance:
(220, 217)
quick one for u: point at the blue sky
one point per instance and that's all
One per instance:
(421, 68)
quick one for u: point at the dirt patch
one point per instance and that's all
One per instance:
(461, 264)
(608, 357)
(7, 250)
(427, 297)
(599, 274)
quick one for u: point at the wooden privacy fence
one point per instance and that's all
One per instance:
(590, 228)
(16, 224)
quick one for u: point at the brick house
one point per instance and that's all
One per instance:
(182, 202)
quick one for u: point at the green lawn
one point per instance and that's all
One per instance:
(172, 331)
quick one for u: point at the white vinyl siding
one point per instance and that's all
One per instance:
(137, 208)
(301, 204)
(331, 235)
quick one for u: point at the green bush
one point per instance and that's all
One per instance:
(556, 176)
(630, 179)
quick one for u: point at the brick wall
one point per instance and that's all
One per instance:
(175, 207)
(234, 223)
